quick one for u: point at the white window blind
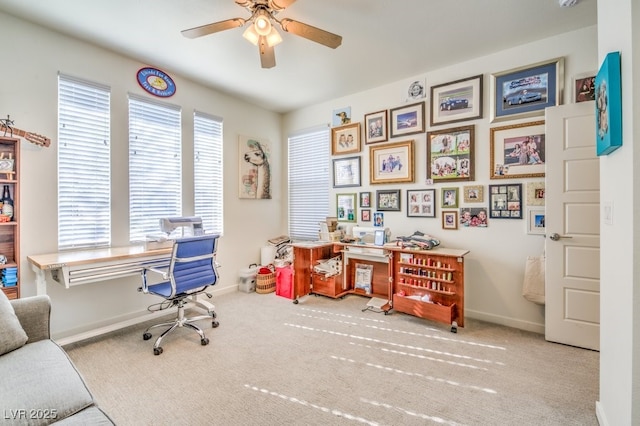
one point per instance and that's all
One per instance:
(207, 170)
(155, 165)
(84, 172)
(309, 182)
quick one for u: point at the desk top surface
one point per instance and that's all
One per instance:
(80, 257)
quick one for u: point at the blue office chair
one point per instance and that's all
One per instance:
(192, 269)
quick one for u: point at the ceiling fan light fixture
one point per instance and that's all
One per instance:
(273, 38)
(251, 35)
(262, 23)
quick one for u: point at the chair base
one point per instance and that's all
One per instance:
(181, 321)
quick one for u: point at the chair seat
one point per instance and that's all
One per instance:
(163, 289)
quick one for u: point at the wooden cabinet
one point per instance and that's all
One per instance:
(10, 231)
(305, 256)
(330, 286)
(430, 284)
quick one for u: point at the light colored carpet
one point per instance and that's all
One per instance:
(324, 361)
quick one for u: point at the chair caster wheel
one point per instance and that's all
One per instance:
(213, 315)
(157, 351)
(205, 341)
(215, 324)
(146, 336)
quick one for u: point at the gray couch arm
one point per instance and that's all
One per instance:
(34, 315)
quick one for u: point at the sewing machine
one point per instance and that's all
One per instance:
(188, 225)
(371, 235)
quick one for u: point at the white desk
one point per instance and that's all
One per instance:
(71, 268)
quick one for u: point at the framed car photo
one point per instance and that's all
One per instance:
(458, 100)
(526, 91)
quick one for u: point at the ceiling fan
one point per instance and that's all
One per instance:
(261, 31)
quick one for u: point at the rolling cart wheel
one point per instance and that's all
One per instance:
(146, 336)
(295, 301)
(454, 327)
(157, 351)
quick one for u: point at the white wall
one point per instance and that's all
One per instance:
(29, 93)
(495, 265)
(619, 403)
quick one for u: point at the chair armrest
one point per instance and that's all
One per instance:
(34, 314)
(162, 271)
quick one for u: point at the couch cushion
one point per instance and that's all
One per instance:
(89, 416)
(13, 335)
(40, 385)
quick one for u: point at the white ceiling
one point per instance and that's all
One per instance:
(383, 41)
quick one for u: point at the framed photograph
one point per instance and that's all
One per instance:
(421, 202)
(505, 201)
(346, 207)
(473, 217)
(609, 105)
(365, 199)
(388, 200)
(458, 100)
(449, 198)
(378, 219)
(416, 90)
(584, 87)
(375, 125)
(450, 219)
(517, 151)
(391, 163)
(535, 221)
(473, 194)
(341, 116)
(365, 215)
(346, 172)
(407, 120)
(345, 139)
(535, 193)
(526, 91)
(450, 154)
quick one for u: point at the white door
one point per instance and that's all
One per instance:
(572, 224)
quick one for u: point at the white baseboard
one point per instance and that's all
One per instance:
(600, 415)
(116, 323)
(509, 322)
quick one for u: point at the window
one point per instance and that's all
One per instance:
(207, 170)
(309, 182)
(84, 164)
(155, 165)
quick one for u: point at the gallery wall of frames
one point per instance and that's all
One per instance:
(517, 151)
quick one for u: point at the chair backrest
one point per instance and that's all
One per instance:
(193, 264)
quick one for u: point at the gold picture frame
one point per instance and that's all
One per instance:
(345, 139)
(517, 151)
(473, 193)
(391, 163)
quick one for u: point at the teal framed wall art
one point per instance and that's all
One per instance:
(609, 105)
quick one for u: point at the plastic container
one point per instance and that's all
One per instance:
(267, 255)
(284, 282)
(247, 278)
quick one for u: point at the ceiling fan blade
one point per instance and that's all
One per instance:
(213, 28)
(280, 4)
(311, 33)
(267, 55)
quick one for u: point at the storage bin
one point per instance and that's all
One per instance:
(284, 282)
(265, 281)
(247, 278)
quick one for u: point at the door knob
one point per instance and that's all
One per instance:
(555, 236)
